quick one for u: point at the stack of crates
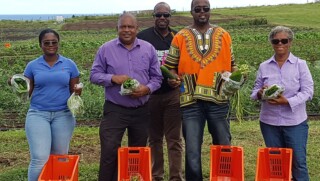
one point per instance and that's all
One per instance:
(274, 164)
(134, 162)
(60, 167)
(226, 163)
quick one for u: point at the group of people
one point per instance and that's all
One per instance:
(165, 108)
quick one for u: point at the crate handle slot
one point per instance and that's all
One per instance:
(63, 159)
(134, 151)
(275, 152)
(226, 150)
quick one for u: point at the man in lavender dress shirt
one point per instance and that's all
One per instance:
(283, 121)
(116, 61)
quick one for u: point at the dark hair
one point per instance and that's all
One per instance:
(45, 31)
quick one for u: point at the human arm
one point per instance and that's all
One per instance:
(258, 87)
(305, 90)
(99, 74)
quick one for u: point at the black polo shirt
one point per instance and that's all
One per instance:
(162, 45)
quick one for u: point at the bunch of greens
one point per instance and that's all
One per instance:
(75, 105)
(239, 74)
(128, 86)
(136, 177)
(234, 80)
(129, 83)
(272, 92)
(20, 85)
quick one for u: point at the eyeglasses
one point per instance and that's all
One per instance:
(277, 41)
(159, 15)
(198, 9)
(50, 43)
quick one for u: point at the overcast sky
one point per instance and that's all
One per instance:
(116, 6)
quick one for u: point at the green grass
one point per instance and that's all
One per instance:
(85, 142)
(295, 15)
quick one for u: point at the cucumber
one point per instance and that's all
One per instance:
(166, 72)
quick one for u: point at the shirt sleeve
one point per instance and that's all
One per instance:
(306, 87)
(172, 60)
(74, 70)
(99, 73)
(258, 84)
(28, 71)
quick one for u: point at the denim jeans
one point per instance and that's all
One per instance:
(47, 133)
(294, 137)
(193, 123)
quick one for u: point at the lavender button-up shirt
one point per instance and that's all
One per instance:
(140, 62)
(295, 77)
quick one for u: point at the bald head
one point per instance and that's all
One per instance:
(160, 5)
(127, 15)
(194, 1)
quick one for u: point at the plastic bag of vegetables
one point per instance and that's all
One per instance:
(75, 103)
(272, 92)
(234, 80)
(21, 86)
(128, 86)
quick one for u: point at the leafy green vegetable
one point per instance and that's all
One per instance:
(271, 90)
(75, 105)
(166, 72)
(236, 76)
(129, 83)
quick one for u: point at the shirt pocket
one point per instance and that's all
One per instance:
(141, 63)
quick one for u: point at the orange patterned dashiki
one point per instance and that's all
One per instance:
(199, 59)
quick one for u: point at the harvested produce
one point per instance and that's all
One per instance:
(128, 86)
(75, 105)
(166, 72)
(272, 92)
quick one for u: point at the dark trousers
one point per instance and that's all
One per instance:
(116, 119)
(166, 123)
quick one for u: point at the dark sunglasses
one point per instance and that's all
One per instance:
(198, 9)
(159, 15)
(50, 43)
(277, 41)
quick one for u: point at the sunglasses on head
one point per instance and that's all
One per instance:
(277, 41)
(50, 43)
(198, 9)
(159, 15)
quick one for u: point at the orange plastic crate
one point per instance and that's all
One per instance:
(274, 164)
(134, 161)
(226, 163)
(60, 168)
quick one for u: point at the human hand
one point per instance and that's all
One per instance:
(260, 92)
(140, 91)
(174, 82)
(78, 89)
(119, 79)
(281, 100)
(9, 81)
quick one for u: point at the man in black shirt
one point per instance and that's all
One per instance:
(164, 103)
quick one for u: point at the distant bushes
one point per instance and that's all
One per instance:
(250, 22)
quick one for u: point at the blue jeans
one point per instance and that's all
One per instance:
(193, 123)
(47, 133)
(294, 137)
